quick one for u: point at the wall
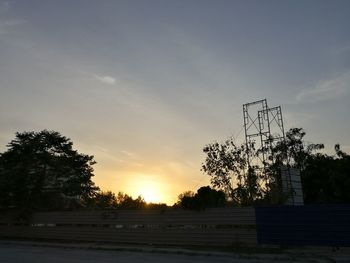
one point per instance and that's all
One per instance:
(213, 227)
(314, 225)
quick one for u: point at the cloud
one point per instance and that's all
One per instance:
(7, 24)
(106, 79)
(327, 89)
(13, 22)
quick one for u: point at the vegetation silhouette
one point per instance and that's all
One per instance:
(227, 165)
(204, 198)
(325, 178)
(41, 170)
(109, 200)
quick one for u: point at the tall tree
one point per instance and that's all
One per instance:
(41, 170)
(229, 169)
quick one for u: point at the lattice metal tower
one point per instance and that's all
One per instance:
(263, 128)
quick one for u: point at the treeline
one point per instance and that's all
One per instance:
(109, 200)
(325, 178)
(42, 171)
(205, 197)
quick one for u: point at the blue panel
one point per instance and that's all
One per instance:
(314, 225)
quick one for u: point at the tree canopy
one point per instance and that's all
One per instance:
(325, 178)
(41, 170)
(109, 200)
(227, 165)
(205, 197)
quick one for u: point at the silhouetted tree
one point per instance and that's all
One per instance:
(324, 178)
(185, 200)
(127, 202)
(41, 170)
(102, 200)
(108, 200)
(205, 197)
(292, 152)
(227, 165)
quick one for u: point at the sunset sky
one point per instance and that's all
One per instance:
(144, 85)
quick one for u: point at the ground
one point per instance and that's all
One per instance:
(13, 252)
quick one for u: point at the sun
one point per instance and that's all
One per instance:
(150, 191)
(150, 196)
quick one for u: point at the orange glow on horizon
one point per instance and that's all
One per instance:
(161, 183)
(149, 187)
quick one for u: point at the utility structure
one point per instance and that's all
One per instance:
(263, 127)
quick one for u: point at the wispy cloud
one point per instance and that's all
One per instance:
(6, 25)
(128, 153)
(106, 79)
(327, 89)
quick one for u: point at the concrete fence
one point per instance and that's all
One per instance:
(213, 227)
(310, 225)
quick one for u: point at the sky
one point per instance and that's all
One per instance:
(145, 85)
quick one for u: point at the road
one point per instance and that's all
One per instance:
(12, 253)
